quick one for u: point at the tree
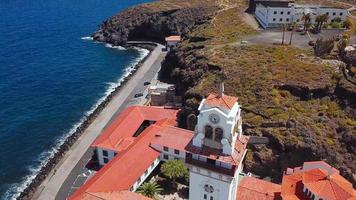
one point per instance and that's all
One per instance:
(284, 30)
(342, 44)
(174, 169)
(294, 24)
(149, 189)
(347, 23)
(307, 19)
(323, 46)
(320, 20)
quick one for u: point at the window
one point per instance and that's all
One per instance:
(218, 134)
(139, 180)
(205, 196)
(211, 161)
(282, 12)
(165, 156)
(176, 151)
(106, 160)
(288, 13)
(165, 148)
(208, 132)
(274, 19)
(334, 13)
(146, 172)
(275, 12)
(327, 13)
(211, 198)
(298, 20)
(152, 165)
(341, 14)
(131, 188)
(287, 19)
(115, 154)
(280, 19)
(105, 153)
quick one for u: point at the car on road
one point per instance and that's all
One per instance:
(146, 83)
(311, 43)
(138, 95)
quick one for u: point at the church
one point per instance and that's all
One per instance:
(213, 152)
(141, 137)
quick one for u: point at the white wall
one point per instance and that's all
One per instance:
(224, 186)
(145, 175)
(275, 16)
(171, 154)
(171, 44)
(99, 153)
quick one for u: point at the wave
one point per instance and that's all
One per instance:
(87, 38)
(15, 190)
(115, 47)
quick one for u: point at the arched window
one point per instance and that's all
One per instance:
(208, 132)
(218, 134)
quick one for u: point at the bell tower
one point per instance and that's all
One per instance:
(218, 149)
(219, 122)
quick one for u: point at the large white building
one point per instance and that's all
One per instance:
(274, 15)
(141, 137)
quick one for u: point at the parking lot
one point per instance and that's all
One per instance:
(299, 40)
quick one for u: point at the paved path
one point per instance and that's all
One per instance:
(50, 186)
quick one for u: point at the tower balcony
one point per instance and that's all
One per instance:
(210, 164)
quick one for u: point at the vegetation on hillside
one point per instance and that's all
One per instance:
(287, 94)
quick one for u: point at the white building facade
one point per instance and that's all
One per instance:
(271, 17)
(218, 135)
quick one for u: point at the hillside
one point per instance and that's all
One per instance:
(305, 105)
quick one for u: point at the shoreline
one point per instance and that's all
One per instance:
(68, 141)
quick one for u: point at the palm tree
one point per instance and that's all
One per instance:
(149, 189)
(320, 20)
(294, 24)
(306, 18)
(174, 169)
(284, 30)
(324, 19)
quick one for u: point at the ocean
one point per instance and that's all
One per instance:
(51, 75)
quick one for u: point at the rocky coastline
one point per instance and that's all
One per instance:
(51, 163)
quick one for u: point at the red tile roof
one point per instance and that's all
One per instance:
(116, 177)
(118, 136)
(251, 188)
(121, 195)
(173, 137)
(124, 169)
(332, 187)
(173, 38)
(224, 101)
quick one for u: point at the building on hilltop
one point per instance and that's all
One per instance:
(172, 41)
(272, 13)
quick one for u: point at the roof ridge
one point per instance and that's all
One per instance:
(91, 194)
(254, 189)
(332, 188)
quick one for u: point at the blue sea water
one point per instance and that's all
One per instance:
(51, 75)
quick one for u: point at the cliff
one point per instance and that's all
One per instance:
(304, 104)
(155, 21)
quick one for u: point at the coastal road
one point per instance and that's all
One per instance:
(59, 182)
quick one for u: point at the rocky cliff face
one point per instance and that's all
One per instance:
(305, 106)
(154, 22)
